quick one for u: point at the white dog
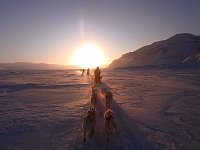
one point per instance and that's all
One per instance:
(110, 123)
(89, 123)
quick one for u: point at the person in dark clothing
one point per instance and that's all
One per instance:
(83, 71)
(88, 71)
(97, 75)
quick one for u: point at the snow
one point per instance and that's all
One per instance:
(37, 104)
(163, 103)
(154, 109)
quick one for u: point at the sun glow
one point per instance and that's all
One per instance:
(89, 56)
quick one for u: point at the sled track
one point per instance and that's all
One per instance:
(126, 136)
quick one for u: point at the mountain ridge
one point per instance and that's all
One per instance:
(34, 66)
(180, 49)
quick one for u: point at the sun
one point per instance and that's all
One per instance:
(89, 56)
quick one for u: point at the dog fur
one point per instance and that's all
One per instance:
(89, 123)
(109, 99)
(110, 123)
(94, 97)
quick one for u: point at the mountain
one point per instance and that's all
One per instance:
(33, 66)
(193, 58)
(180, 49)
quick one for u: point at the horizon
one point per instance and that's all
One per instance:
(43, 63)
(53, 32)
(93, 67)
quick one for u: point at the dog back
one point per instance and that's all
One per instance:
(110, 123)
(94, 99)
(109, 98)
(87, 124)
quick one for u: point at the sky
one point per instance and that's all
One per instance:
(50, 31)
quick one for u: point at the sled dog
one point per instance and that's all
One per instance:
(110, 123)
(89, 122)
(109, 99)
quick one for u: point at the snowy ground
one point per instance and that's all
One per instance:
(155, 109)
(164, 104)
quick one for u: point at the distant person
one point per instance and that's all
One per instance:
(83, 71)
(88, 71)
(97, 75)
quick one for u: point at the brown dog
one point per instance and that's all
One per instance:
(110, 123)
(109, 99)
(94, 99)
(89, 123)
